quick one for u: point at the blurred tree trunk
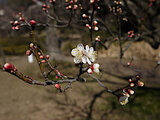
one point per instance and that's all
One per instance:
(52, 43)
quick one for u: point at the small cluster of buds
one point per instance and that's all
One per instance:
(136, 82)
(58, 74)
(126, 92)
(94, 26)
(16, 24)
(71, 4)
(43, 58)
(52, 1)
(45, 7)
(151, 2)
(116, 8)
(9, 67)
(98, 38)
(130, 34)
(94, 68)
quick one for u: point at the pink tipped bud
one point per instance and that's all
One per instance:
(47, 56)
(131, 84)
(31, 45)
(91, 1)
(41, 57)
(137, 77)
(28, 52)
(21, 19)
(130, 80)
(57, 86)
(13, 28)
(95, 23)
(8, 67)
(44, 6)
(17, 27)
(71, 2)
(88, 26)
(57, 77)
(131, 92)
(84, 16)
(43, 61)
(140, 83)
(75, 7)
(16, 23)
(95, 28)
(129, 64)
(39, 53)
(32, 22)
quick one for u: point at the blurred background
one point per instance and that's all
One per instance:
(84, 101)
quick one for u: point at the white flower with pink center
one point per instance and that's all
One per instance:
(94, 68)
(84, 55)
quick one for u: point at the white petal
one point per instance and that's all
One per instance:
(96, 66)
(89, 62)
(84, 59)
(89, 71)
(74, 52)
(77, 60)
(92, 59)
(91, 49)
(96, 71)
(87, 48)
(80, 47)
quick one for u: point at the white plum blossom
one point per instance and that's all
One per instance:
(84, 55)
(123, 99)
(94, 68)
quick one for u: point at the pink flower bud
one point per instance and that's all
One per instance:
(95, 23)
(84, 16)
(16, 23)
(88, 26)
(95, 28)
(8, 67)
(130, 80)
(75, 7)
(43, 61)
(131, 84)
(131, 92)
(28, 52)
(57, 86)
(41, 57)
(21, 19)
(33, 22)
(140, 83)
(47, 56)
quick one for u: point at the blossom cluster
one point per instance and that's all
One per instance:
(86, 55)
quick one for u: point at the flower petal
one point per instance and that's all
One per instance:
(77, 60)
(96, 71)
(74, 52)
(96, 66)
(84, 59)
(91, 49)
(87, 48)
(89, 62)
(80, 47)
